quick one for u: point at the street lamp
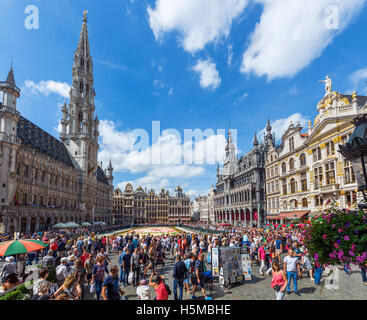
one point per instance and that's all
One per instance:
(355, 151)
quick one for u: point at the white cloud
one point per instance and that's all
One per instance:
(358, 76)
(279, 126)
(230, 55)
(170, 92)
(294, 90)
(198, 22)
(47, 87)
(129, 154)
(209, 75)
(241, 98)
(291, 34)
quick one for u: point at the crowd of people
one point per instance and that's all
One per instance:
(103, 266)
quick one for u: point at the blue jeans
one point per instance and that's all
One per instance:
(364, 276)
(124, 275)
(317, 275)
(180, 284)
(98, 284)
(290, 276)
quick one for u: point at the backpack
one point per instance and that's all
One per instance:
(169, 292)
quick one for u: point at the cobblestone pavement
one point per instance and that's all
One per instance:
(350, 287)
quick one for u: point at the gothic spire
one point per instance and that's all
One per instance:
(83, 45)
(256, 143)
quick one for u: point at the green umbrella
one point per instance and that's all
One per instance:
(13, 247)
(86, 224)
(72, 225)
(59, 226)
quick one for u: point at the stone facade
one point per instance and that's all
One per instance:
(306, 171)
(239, 196)
(43, 180)
(206, 207)
(140, 206)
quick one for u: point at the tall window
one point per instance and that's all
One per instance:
(291, 164)
(81, 87)
(284, 167)
(351, 197)
(304, 182)
(330, 148)
(26, 170)
(277, 185)
(285, 186)
(294, 204)
(285, 205)
(318, 200)
(293, 186)
(304, 203)
(348, 172)
(330, 172)
(316, 154)
(302, 160)
(318, 177)
(291, 144)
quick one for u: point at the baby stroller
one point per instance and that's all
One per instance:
(160, 258)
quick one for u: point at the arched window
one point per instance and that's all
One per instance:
(294, 204)
(293, 185)
(291, 164)
(285, 205)
(304, 203)
(284, 167)
(87, 90)
(302, 160)
(81, 87)
(82, 62)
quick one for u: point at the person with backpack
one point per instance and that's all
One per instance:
(159, 286)
(199, 279)
(179, 275)
(110, 288)
(98, 275)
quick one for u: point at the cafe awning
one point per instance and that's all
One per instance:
(293, 215)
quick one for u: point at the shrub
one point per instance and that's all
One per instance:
(338, 237)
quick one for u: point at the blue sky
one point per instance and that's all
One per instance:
(188, 64)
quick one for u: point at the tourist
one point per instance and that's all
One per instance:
(136, 261)
(199, 279)
(279, 281)
(61, 272)
(143, 291)
(71, 288)
(110, 287)
(126, 261)
(261, 257)
(42, 292)
(98, 275)
(179, 275)
(49, 260)
(88, 267)
(9, 268)
(159, 286)
(292, 270)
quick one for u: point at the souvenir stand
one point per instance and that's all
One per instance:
(230, 265)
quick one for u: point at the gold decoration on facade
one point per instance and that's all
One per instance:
(354, 95)
(322, 145)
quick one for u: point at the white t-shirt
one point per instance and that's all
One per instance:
(291, 263)
(143, 293)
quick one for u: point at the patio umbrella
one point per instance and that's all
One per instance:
(13, 247)
(86, 224)
(72, 225)
(59, 226)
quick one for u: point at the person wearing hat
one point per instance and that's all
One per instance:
(61, 272)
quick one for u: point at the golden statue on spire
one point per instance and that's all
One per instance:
(85, 13)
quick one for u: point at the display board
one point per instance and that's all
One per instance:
(246, 266)
(230, 268)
